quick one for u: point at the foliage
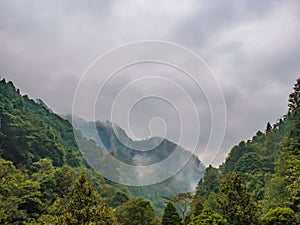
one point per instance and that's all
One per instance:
(45, 180)
(136, 211)
(30, 132)
(156, 191)
(294, 98)
(182, 203)
(289, 164)
(249, 163)
(42, 147)
(82, 205)
(280, 216)
(236, 204)
(208, 217)
(268, 173)
(170, 216)
(209, 183)
(19, 196)
(275, 193)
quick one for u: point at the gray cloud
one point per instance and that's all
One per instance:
(252, 47)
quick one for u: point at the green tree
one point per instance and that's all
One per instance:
(19, 196)
(182, 203)
(196, 205)
(280, 216)
(294, 98)
(170, 216)
(276, 193)
(238, 151)
(82, 206)
(118, 199)
(289, 163)
(65, 177)
(210, 182)
(136, 211)
(3, 216)
(269, 127)
(208, 217)
(43, 173)
(255, 184)
(212, 201)
(248, 163)
(235, 203)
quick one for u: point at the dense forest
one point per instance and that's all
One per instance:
(45, 180)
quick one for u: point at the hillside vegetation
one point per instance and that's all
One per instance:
(45, 180)
(259, 183)
(43, 177)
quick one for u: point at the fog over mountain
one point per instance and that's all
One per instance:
(145, 152)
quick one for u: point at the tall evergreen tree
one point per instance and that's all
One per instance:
(294, 98)
(269, 127)
(170, 216)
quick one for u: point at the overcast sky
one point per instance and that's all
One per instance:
(252, 47)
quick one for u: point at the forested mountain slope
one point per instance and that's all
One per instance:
(259, 183)
(43, 177)
(45, 180)
(29, 131)
(39, 153)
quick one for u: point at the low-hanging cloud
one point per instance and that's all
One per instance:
(251, 46)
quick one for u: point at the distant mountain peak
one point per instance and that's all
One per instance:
(142, 152)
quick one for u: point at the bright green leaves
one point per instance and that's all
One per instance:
(208, 217)
(19, 196)
(280, 216)
(82, 205)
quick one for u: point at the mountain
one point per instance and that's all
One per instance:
(142, 153)
(40, 161)
(30, 132)
(46, 179)
(139, 152)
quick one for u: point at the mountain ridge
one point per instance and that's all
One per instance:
(31, 132)
(154, 149)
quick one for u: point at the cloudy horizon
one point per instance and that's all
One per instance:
(252, 47)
